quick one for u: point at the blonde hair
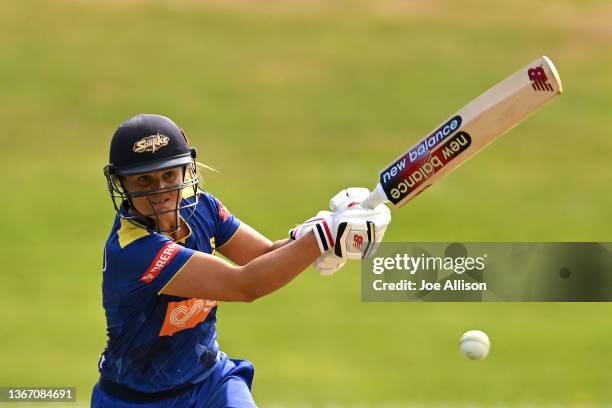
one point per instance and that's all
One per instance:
(202, 166)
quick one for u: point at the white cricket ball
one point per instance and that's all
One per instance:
(475, 344)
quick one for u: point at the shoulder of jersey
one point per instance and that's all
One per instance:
(127, 233)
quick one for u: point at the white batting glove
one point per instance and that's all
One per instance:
(359, 241)
(328, 263)
(363, 239)
(349, 197)
(331, 233)
(364, 229)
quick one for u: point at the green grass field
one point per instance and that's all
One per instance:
(294, 101)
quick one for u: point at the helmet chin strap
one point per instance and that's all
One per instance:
(156, 220)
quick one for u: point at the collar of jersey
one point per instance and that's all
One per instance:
(184, 239)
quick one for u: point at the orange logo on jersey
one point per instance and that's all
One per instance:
(185, 315)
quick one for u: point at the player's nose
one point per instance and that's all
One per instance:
(160, 184)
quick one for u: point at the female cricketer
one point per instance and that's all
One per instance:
(162, 283)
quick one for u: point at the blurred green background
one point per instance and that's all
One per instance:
(293, 101)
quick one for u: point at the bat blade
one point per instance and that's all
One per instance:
(467, 132)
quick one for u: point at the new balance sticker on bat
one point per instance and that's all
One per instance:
(428, 166)
(163, 258)
(421, 149)
(539, 81)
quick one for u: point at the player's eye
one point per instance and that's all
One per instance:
(170, 175)
(143, 179)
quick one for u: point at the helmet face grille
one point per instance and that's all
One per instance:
(147, 143)
(122, 199)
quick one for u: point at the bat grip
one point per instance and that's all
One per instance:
(376, 197)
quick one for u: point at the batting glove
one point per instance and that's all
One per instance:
(360, 242)
(364, 229)
(368, 226)
(330, 233)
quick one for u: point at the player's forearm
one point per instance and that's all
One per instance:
(248, 244)
(276, 268)
(206, 276)
(278, 244)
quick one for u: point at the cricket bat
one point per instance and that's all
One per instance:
(467, 132)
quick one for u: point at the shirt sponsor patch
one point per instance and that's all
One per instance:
(223, 213)
(163, 258)
(185, 314)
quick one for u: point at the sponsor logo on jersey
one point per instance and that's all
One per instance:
(539, 81)
(185, 314)
(223, 213)
(151, 143)
(163, 258)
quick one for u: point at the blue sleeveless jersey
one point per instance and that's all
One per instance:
(158, 342)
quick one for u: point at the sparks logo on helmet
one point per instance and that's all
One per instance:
(539, 81)
(185, 314)
(151, 143)
(163, 258)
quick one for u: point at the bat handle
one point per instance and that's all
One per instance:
(376, 197)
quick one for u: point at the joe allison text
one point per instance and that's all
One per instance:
(449, 285)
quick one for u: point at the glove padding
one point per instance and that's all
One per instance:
(368, 226)
(349, 197)
(330, 232)
(364, 229)
(328, 264)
